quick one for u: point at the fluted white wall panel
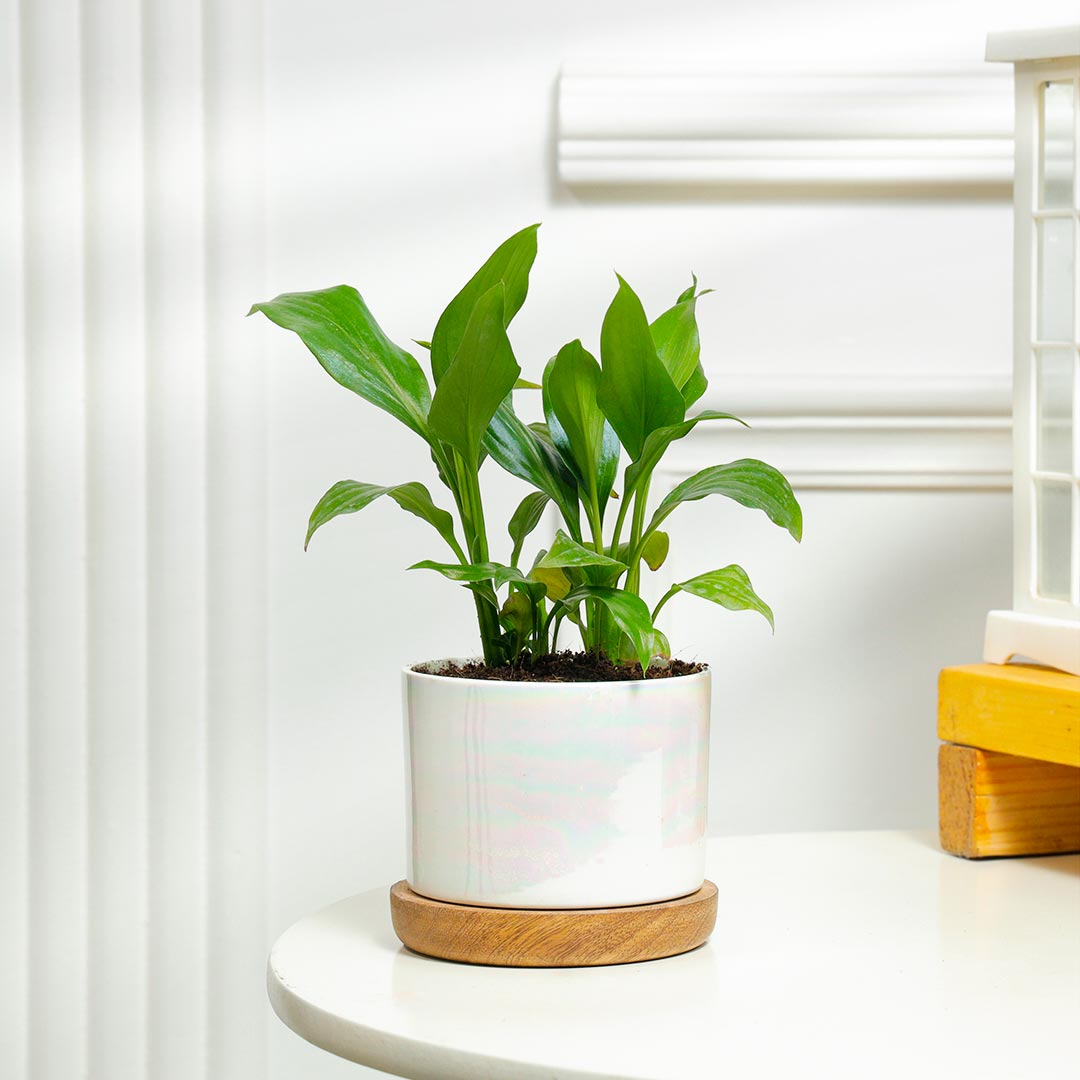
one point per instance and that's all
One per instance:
(56, 536)
(236, 568)
(132, 671)
(116, 522)
(14, 850)
(178, 539)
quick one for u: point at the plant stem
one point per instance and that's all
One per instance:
(624, 505)
(476, 538)
(592, 636)
(633, 575)
(593, 510)
(663, 600)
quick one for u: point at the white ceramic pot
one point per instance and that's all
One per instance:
(556, 795)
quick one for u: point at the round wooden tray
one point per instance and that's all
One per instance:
(518, 937)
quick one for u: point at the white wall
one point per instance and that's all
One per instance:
(151, 542)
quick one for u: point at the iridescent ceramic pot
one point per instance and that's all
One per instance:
(556, 795)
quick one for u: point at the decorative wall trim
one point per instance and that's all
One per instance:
(643, 123)
(862, 433)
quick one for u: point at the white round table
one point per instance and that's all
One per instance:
(835, 955)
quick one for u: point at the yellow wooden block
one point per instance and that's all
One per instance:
(998, 804)
(1019, 709)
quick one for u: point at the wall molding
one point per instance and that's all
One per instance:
(646, 123)
(842, 432)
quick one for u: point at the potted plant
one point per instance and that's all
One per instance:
(540, 779)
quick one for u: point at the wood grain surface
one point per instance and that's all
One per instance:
(997, 804)
(514, 937)
(1020, 709)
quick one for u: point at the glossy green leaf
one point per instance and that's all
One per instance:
(484, 578)
(524, 384)
(583, 437)
(658, 441)
(695, 386)
(553, 579)
(749, 482)
(675, 335)
(543, 433)
(565, 552)
(472, 573)
(482, 373)
(522, 453)
(517, 613)
(344, 337)
(525, 518)
(348, 496)
(636, 392)
(535, 588)
(630, 613)
(508, 265)
(730, 587)
(654, 551)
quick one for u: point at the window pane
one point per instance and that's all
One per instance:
(1054, 538)
(1054, 394)
(1056, 150)
(1055, 281)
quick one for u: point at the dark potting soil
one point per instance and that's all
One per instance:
(563, 667)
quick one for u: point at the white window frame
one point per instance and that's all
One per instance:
(1030, 80)
(1040, 628)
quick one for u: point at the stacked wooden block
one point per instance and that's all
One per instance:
(1009, 768)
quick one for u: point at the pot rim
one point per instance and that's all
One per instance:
(410, 672)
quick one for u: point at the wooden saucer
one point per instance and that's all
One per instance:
(518, 937)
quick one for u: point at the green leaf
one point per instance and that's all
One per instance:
(655, 549)
(630, 613)
(653, 552)
(566, 552)
(483, 372)
(517, 613)
(483, 578)
(471, 573)
(543, 433)
(636, 392)
(554, 581)
(675, 335)
(348, 496)
(524, 384)
(526, 518)
(730, 587)
(586, 441)
(658, 441)
(695, 386)
(509, 265)
(749, 482)
(522, 453)
(558, 582)
(344, 337)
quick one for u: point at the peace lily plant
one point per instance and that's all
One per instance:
(624, 410)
